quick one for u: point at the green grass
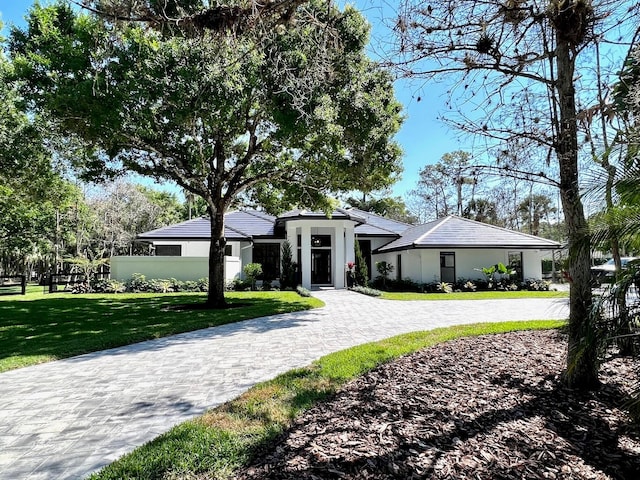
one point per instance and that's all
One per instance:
(489, 295)
(226, 438)
(40, 327)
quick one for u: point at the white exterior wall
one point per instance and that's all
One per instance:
(423, 265)
(532, 263)
(180, 268)
(190, 248)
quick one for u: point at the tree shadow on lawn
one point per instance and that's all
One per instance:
(59, 327)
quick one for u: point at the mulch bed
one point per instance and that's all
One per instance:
(489, 407)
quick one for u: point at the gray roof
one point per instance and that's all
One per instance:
(375, 225)
(240, 225)
(457, 232)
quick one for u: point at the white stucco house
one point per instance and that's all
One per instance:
(443, 250)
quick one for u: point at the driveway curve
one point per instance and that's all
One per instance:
(66, 419)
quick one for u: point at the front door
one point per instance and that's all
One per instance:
(321, 267)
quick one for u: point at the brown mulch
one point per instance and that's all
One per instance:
(489, 407)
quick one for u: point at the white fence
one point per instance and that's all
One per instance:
(180, 268)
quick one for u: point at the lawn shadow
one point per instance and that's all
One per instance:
(62, 327)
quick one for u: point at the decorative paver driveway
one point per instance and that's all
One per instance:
(66, 419)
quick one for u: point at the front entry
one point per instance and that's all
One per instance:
(321, 267)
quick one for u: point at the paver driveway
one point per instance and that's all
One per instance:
(65, 419)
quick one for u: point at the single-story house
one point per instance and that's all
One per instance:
(443, 250)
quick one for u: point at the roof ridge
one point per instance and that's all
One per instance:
(438, 223)
(237, 230)
(260, 215)
(380, 216)
(368, 214)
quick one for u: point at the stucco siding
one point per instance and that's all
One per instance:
(180, 268)
(423, 265)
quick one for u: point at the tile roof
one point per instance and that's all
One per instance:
(375, 225)
(457, 232)
(239, 225)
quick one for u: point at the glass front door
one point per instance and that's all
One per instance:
(321, 267)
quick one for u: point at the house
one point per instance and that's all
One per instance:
(443, 250)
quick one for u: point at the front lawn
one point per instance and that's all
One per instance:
(40, 327)
(485, 295)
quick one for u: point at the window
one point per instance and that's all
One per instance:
(515, 263)
(168, 250)
(228, 251)
(399, 267)
(447, 267)
(267, 255)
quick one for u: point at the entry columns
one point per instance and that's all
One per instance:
(305, 255)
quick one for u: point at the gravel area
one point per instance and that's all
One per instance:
(489, 407)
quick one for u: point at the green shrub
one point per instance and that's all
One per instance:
(303, 292)
(362, 272)
(384, 269)
(108, 285)
(240, 285)
(252, 271)
(372, 292)
(289, 267)
(203, 284)
(137, 283)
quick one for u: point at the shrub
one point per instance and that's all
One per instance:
(362, 272)
(203, 284)
(536, 285)
(303, 292)
(289, 267)
(252, 271)
(108, 285)
(137, 283)
(372, 292)
(384, 269)
(240, 285)
(469, 286)
(403, 285)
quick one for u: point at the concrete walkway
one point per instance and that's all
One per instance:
(66, 419)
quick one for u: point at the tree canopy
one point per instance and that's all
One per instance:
(32, 192)
(305, 113)
(518, 72)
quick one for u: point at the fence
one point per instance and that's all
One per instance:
(13, 284)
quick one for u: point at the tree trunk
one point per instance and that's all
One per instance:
(215, 297)
(582, 371)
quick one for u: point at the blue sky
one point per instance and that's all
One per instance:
(423, 138)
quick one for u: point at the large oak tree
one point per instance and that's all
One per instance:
(301, 108)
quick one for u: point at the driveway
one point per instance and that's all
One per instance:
(66, 419)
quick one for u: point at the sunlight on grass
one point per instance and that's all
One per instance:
(40, 327)
(224, 439)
